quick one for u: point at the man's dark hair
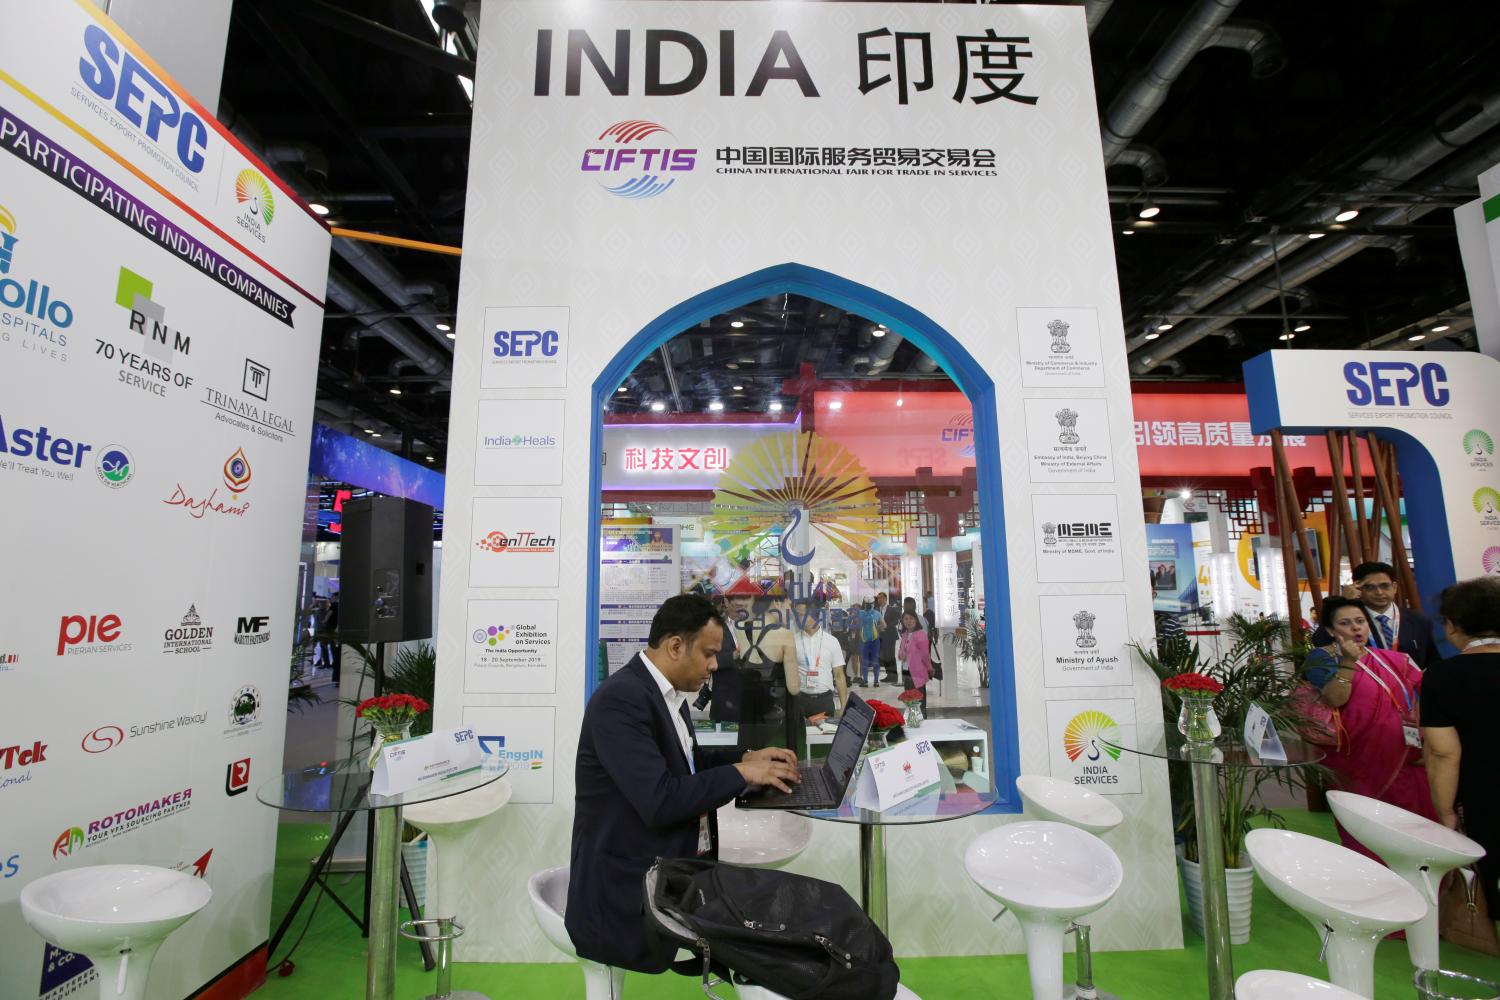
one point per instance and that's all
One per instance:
(1364, 569)
(683, 615)
(1332, 604)
(1473, 605)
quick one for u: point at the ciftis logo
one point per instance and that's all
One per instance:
(34, 317)
(1480, 448)
(638, 160)
(1090, 735)
(257, 203)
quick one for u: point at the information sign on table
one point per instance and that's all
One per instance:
(407, 764)
(891, 776)
(1261, 737)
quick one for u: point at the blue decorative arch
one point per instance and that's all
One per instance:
(970, 377)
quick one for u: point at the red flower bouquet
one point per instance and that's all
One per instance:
(910, 696)
(1192, 683)
(886, 716)
(391, 711)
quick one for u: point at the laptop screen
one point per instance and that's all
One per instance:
(849, 741)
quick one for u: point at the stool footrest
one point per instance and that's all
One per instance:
(454, 931)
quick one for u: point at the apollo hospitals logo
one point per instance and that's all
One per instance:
(640, 162)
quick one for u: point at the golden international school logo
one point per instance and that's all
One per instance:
(782, 482)
(257, 204)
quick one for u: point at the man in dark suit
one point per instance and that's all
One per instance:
(645, 789)
(1405, 630)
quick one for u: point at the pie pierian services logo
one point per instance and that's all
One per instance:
(34, 317)
(638, 159)
(79, 635)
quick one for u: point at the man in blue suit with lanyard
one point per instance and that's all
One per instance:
(645, 789)
(1405, 630)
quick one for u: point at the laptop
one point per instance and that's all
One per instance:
(824, 783)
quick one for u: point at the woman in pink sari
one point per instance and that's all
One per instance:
(1376, 693)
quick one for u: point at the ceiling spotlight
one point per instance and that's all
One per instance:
(443, 327)
(747, 361)
(451, 336)
(732, 367)
(429, 458)
(716, 406)
(394, 391)
(1164, 326)
(374, 435)
(774, 407)
(1127, 232)
(317, 208)
(836, 404)
(332, 222)
(1152, 335)
(1287, 336)
(1440, 328)
(1302, 328)
(1150, 211)
(369, 430)
(1347, 215)
(879, 331)
(737, 323)
(622, 389)
(900, 401)
(1185, 494)
(658, 406)
(1316, 236)
(1416, 337)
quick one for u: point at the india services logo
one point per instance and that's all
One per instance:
(1487, 506)
(257, 203)
(1091, 735)
(1491, 559)
(1480, 448)
(637, 159)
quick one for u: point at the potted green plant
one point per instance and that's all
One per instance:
(972, 645)
(1258, 668)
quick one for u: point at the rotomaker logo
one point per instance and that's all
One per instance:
(640, 162)
(67, 842)
(135, 816)
(1085, 736)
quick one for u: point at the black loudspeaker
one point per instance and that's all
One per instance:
(385, 571)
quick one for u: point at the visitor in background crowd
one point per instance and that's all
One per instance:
(1406, 630)
(1459, 696)
(915, 653)
(1377, 695)
(934, 642)
(820, 662)
(870, 617)
(890, 632)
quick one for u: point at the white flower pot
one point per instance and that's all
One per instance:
(414, 853)
(1239, 884)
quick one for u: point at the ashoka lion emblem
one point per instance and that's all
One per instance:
(1059, 331)
(1084, 622)
(1049, 533)
(1067, 420)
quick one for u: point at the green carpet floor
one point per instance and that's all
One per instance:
(330, 962)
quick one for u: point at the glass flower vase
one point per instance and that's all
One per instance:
(1197, 722)
(914, 716)
(384, 736)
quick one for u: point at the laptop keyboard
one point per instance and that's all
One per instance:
(810, 790)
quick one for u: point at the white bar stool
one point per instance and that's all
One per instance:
(1049, 875)
(1055, 800)
(549, 904)
(761, 838)
(1415, 848)
(1351, 900)
(116, 916)
(1269, 984)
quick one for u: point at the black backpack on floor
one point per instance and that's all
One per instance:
(797, 936)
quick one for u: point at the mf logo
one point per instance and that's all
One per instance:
(148, 318)
(252, 631)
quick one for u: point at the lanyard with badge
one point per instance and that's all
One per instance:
(705, 837)
(1409, 731)
(811, 665)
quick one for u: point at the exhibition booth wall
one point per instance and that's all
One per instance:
(595, 235)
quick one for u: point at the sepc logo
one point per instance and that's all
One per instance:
(140, 98)
(523, 343)
(1396, 383)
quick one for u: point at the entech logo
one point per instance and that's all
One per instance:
(640, 163)
(518, 541)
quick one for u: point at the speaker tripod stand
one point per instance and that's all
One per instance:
(318, 876)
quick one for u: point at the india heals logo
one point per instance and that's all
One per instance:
(1085, 735)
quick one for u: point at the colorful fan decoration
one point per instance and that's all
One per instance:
(250, 188)
(785, 480)
(1085, 734)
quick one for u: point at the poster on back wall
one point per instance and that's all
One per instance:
(160, 317)
(933, 168)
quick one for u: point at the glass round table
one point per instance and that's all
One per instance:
(343, 786)
(949, 801)
(1206, 761)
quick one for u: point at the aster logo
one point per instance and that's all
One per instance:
(256, 201)
(115, 467)
(33, 318)
(1480, 448)
(134, 816)
(637, 159)
(232, 503)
